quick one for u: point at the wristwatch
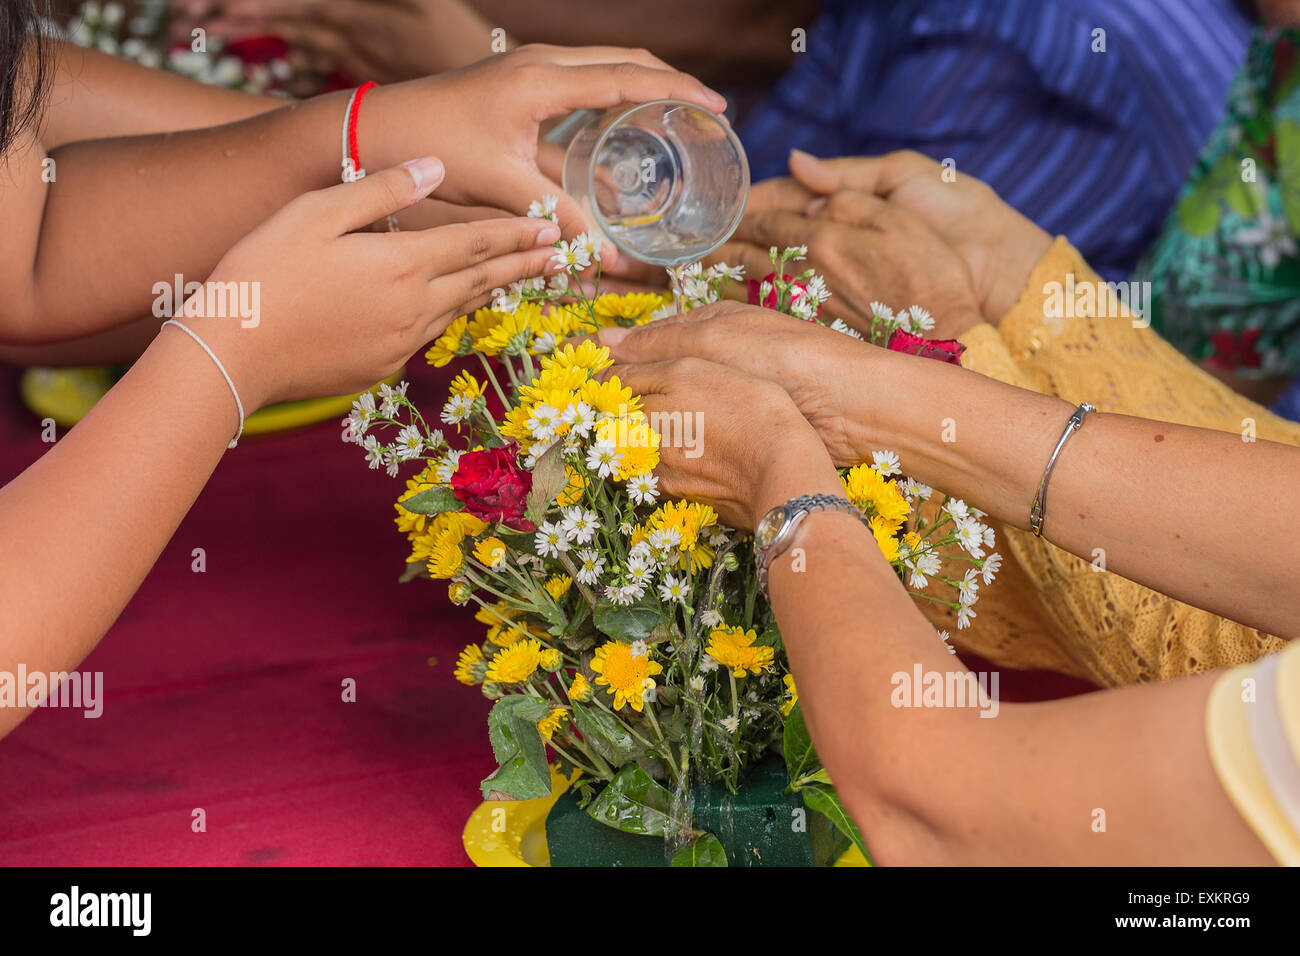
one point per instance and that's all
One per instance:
(776, 529)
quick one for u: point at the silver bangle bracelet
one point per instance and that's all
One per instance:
(1039, 511)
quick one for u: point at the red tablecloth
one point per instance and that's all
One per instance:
(223, 690)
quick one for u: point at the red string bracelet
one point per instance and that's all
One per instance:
(352, 168)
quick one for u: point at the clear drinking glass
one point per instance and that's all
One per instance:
(666, 181)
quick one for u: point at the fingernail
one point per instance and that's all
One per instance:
(801, 154)
(814, 207)
(611, 335)
(719, 100)
(427, 172)
(548, 234)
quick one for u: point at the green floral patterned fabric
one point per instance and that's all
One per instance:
(1225, 273)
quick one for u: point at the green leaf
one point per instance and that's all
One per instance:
(603, 732)
(432, 501)
(634, 803)
(632, 623)
(800, 756)
(704, 850)
(548, 481)
(826, 801)
(523, 772)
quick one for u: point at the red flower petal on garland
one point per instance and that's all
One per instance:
(945, 350)
(492, 486)
(1234, 350)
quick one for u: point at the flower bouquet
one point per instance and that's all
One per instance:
(626, 638)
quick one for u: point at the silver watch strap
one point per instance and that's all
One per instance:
(799, 508)
(1039, 512)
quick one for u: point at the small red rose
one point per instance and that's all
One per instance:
(945, 350)
(770, 300)
(492, 486)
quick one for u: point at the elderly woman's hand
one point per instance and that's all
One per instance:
(868, 250)
(999, 245)
(729, 439)
(824, 373)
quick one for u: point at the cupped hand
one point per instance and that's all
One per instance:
(338, 310)
(868, 250)
(826, 374)
(483, 121)
(999, 245)
(750, 449)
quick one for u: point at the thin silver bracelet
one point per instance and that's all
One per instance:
(220, 368)
(1039, 511)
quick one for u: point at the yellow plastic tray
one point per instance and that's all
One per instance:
(513, 832)
(67, 394)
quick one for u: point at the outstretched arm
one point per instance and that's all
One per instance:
(1166, 503)
(929, 785)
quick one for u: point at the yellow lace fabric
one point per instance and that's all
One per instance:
(1050, 609)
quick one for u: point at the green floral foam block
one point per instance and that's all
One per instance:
(760, 825)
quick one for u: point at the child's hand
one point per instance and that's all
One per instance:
(337, 310)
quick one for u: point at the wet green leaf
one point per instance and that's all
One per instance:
(704, 850)
(634, 803)
(432, 501)
(824, 799)
(523, 772)
(609, 738)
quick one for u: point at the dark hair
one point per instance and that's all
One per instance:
(26, 65)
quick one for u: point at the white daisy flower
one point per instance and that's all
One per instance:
(639, 649)
(570, 256)
(543, 422)
(839, 325)
(731, 723)
(375, 452)
(881, 311)
(457, 409)
(992, 565)
(591, 565)
(550, 539)
(590, 243)
(697, 684)
(507, 301)
(711, 618)
(673, 588)
(968, 587)
(929, 563)
(886, 463)
(920, 319)
(580, 417)
(957, 508)
(409, 444)
(580, 525)
(968, 535)
(604, 458)
(544, 208)
(964, 616)
(708, 664)
(643, 489)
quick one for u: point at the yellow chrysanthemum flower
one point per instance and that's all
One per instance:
(491, 552)
(792, 695)
(886, 537)
(874, 494)
(635, 440)
(469, 666)
(734, 647)
(439, 543)
(445, 558)
(623, 673)
(609, 397)
(516, 663)
(466, 384)
(580, 689)
(553, 721)
(496, 613)
(587, 356)
(550, 659)
(451, 343)
(558, 585)
(502, 328)
(614, 309)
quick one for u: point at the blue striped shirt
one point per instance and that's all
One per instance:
(1092, 145)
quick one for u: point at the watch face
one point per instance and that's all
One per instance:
(770, 525)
